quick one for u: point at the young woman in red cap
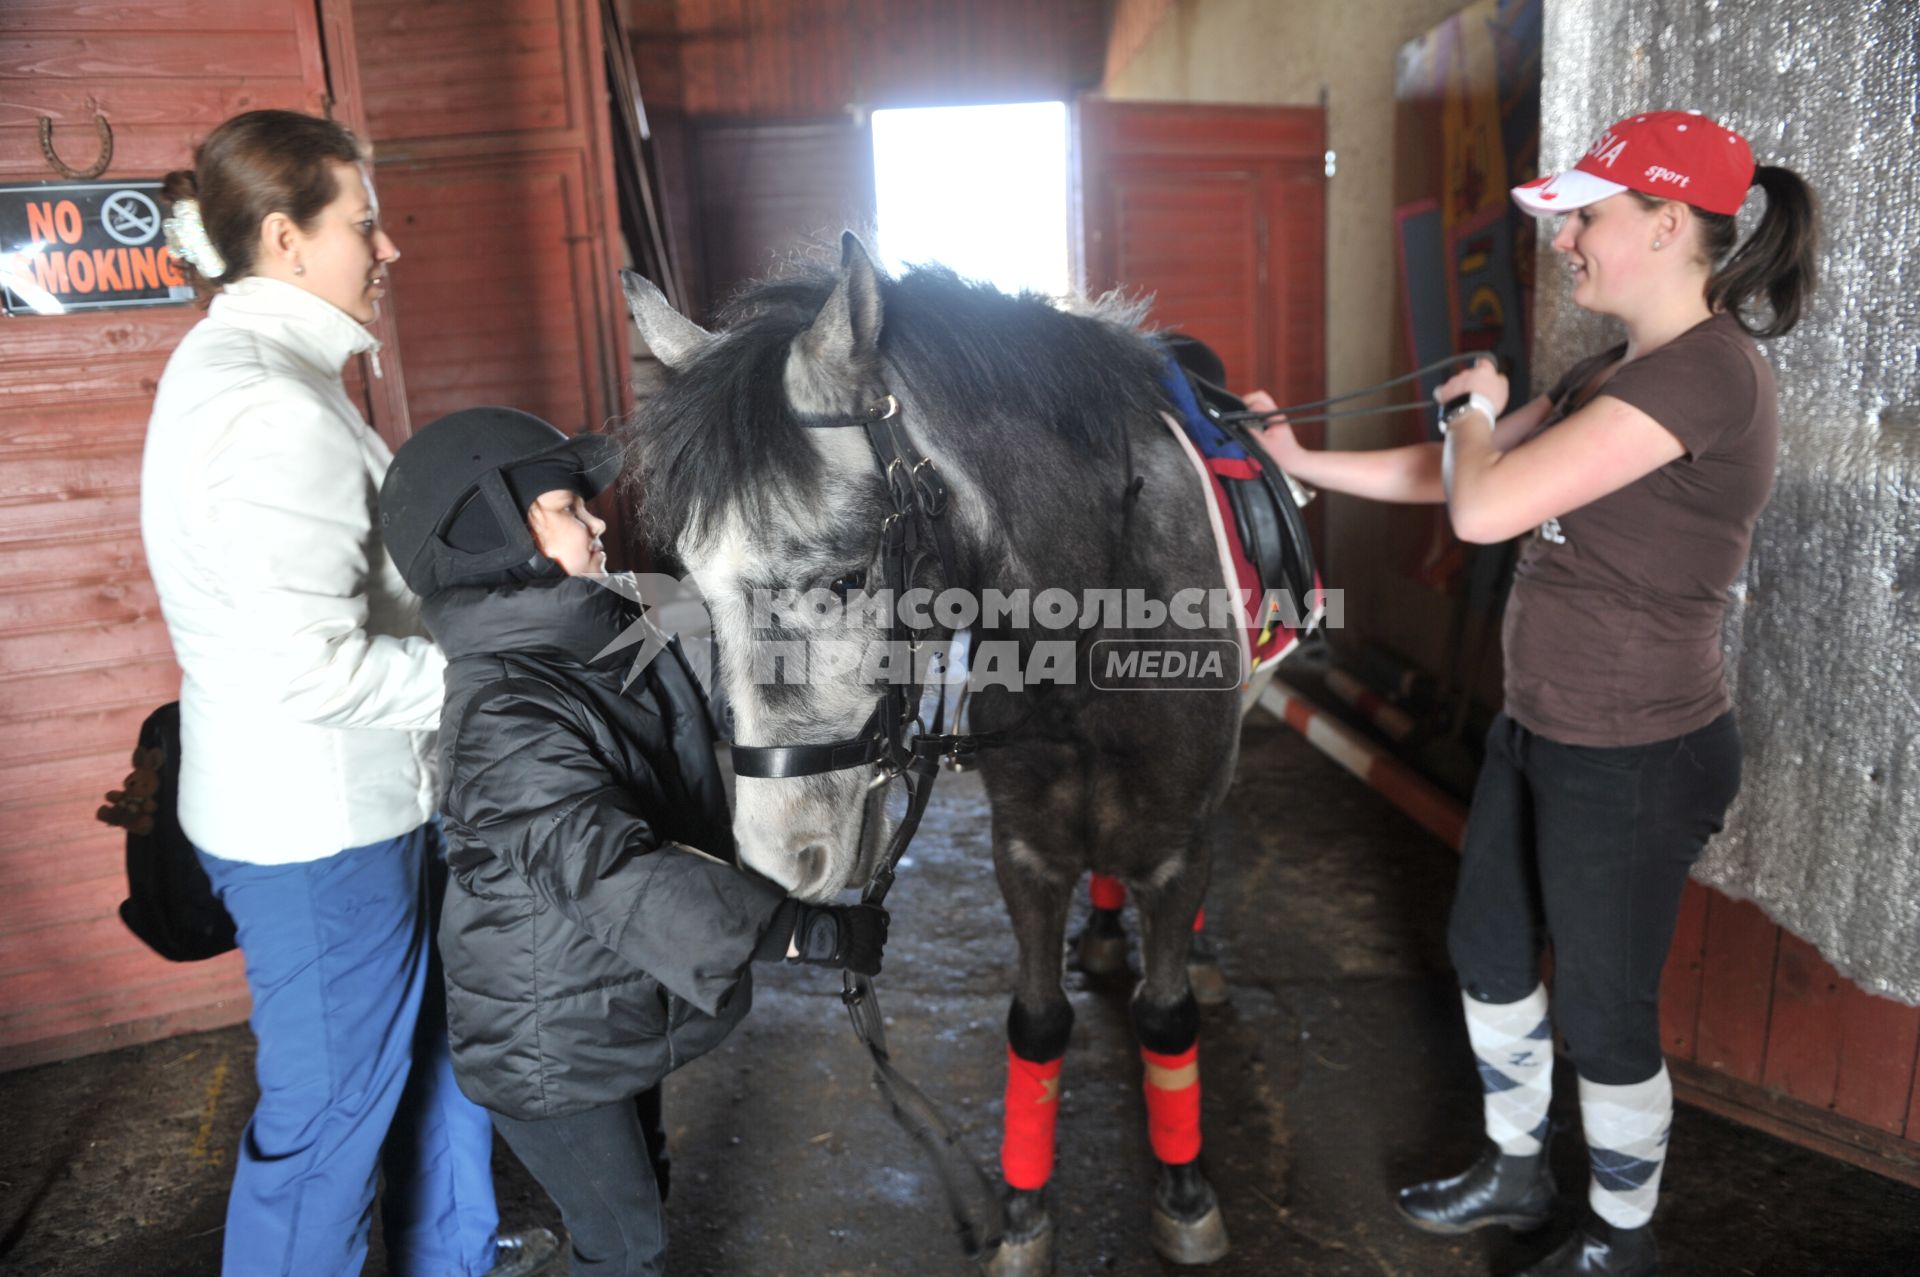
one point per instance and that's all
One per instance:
(1637, 481)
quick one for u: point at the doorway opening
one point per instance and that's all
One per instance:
(982, 189)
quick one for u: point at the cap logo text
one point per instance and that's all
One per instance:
(1655, 173)
(1607, 149)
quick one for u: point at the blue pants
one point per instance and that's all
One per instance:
(355, 1075)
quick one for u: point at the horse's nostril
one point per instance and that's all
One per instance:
(811, 862)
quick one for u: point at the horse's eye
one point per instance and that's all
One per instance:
(848, 584)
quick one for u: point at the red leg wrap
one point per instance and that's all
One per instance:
(1108, 893)
(1033, 1107)
(1173, 1104)
(1200, 919)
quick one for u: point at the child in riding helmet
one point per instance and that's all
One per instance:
(596, 932)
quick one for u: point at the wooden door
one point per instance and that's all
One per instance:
(1218, 212)
(494, 163)
(765, 190)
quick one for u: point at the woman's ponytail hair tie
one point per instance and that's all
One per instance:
(188, 240)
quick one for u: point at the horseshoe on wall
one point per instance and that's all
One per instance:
(66, 170)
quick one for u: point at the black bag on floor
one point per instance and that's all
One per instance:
(170, 903)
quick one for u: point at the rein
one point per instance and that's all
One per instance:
(1295, 413)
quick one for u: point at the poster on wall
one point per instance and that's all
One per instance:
(1466, 130)
(1468, 94)
(74, 246)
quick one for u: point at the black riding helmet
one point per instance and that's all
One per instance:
(453, 507)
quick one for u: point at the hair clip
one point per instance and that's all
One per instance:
(187, 238)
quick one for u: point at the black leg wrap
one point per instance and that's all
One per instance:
(1166, 1030)
(1039, 1037)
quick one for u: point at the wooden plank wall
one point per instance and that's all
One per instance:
(1758, 1026)
(84, 655)
(493, 161)
(1218, 213)
(489, 119)
(812, 58)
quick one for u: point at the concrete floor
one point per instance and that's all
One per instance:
(1339, 1071)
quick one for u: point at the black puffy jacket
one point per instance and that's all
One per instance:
(589, 948)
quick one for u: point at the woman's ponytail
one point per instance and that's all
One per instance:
(1780, 259)
(181, 184)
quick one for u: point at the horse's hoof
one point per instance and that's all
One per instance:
(1187, 1227)
(1198, 1241)
(1102, 948)
(1208, 981)
(1029, 1255)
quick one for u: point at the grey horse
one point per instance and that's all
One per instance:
(1048, 428)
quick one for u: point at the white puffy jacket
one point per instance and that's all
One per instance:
(310, 693)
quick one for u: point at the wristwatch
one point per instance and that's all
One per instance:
(1451, 410)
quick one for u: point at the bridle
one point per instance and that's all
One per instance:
(894, 739)
(900, 746)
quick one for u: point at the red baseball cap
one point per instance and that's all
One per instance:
(1671, 155)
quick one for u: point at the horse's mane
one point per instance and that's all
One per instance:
(721, 430)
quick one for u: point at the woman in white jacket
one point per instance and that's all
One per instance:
(308, 703)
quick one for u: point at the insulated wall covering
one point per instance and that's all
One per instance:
(1823, 635)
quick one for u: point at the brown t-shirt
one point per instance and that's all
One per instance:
(1612, 634)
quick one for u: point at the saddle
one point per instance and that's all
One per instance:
(1260, 514)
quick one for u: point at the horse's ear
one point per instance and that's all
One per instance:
(672, 337)
(847, 329)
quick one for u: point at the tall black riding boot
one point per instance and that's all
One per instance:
(1598, 1249)
(1496, 1189)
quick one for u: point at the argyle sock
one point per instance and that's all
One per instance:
(1513, 1045)
(1626, 1130)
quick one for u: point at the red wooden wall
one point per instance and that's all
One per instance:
(772, 59)
(1758, 1026)
(493, 162)
(1218, 212)
(83, 653)
(489, 119)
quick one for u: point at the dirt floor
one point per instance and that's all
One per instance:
(1339, 1071)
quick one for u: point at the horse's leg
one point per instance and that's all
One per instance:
(1102, 946)
(1203, 966)
(1187, 1226)
(1038, 1026)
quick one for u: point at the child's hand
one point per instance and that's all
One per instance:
(849, 936)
